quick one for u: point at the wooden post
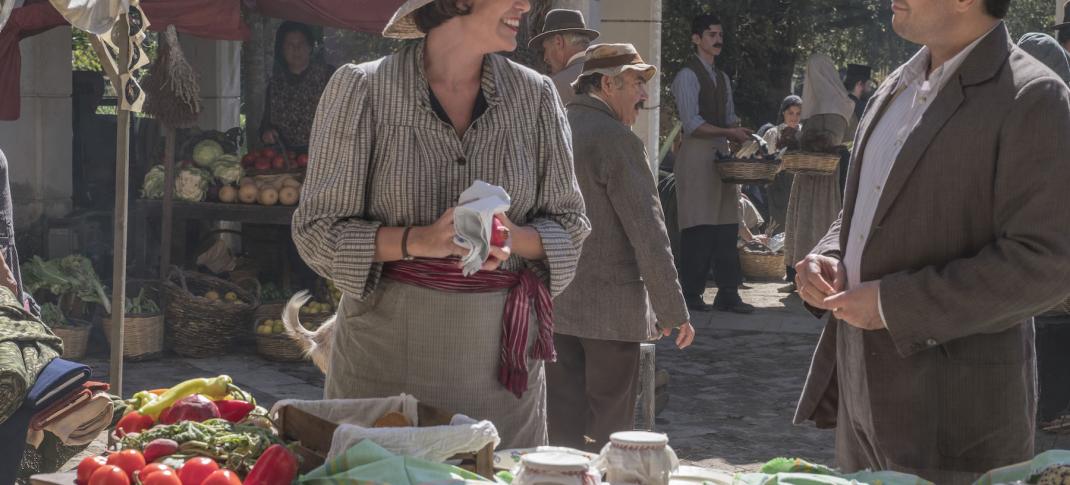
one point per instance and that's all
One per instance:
(122, 179)
(167, 211)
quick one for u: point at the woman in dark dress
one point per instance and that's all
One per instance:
(297, 81)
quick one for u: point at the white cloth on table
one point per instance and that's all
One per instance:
(432, 443)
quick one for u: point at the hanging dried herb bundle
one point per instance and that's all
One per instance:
(172, 93)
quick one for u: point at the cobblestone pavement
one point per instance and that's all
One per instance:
(732, 394)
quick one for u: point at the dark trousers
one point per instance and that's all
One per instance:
(591, 391)
(703, 246)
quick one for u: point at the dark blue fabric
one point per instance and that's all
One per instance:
(13, 431)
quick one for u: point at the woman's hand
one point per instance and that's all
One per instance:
(524, 241)
(270, 136)
(436, 240)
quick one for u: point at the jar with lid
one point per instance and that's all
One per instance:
(556, 468)
(638, 457)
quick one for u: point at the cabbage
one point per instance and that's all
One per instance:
(191, 184)
(206, 152)
(227, 172)
(152, 188)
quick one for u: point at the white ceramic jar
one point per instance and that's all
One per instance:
(556, 468)
(638, 457)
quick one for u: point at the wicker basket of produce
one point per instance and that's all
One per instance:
(205, 313)
(272, 341)
(761, 264)
(811, 162)
(142, 324)
(752, 163)
(75, 338)
(747, 170)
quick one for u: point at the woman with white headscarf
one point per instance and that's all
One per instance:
(815, 200)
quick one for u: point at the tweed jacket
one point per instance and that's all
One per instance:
(564, 78)
(379, 156)
(967, 243)
(626, 281)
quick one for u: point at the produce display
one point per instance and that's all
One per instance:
(265, 190)
(203, 431)
(229, 296)
(271, 159)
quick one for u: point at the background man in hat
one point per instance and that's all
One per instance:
(928, 364)
(1062, 29)
(564, 39)
(708, 209)
(625, 290)
(856, 81)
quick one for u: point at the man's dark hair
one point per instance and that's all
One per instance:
(997, 8)
(1063, 35)
(435, 13)
(591, 83)
(703, 22)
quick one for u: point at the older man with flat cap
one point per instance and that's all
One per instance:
(564, 39)
(625, 291)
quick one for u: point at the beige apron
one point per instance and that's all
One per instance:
(442, 348)
(702, 199)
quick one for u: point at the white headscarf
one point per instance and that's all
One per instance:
(823, 92)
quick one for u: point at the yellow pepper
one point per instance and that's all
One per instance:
(213, 388)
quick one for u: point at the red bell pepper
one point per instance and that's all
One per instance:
(133, 422)
(234, 410)
(277, 466)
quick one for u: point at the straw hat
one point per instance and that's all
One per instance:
(402, 25)
(613, 59)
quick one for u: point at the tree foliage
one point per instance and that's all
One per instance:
(768, 41)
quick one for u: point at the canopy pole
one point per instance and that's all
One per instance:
(122, 182)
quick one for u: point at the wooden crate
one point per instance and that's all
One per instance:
(314, 436)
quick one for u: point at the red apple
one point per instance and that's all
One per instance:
(278, 162)
(248, 160)
(262, 164)
(268, 152)
(291, 154)
(302, 160)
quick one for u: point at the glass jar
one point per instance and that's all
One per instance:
(638, 457)
(555, 468)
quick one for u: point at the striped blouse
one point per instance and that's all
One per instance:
(379, 156)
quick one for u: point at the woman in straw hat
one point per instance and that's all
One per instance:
(394, 143)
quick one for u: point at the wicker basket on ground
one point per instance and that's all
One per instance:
(280, 347)
(761, 265)
(75, 338)
(750, 171)
(813, 163)
(201, 327)
(142, 335)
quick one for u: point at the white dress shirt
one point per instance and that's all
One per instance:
(912, 96)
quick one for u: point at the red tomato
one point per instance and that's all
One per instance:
(278, 162)
(133, 422)
(195, 470)
(222, 477)
(302, 160)
(164, 477)
(268, 153)
(129, 460)
(153, 468)
(89, 465)
(109, 475)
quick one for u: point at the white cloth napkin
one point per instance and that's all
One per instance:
(473, 221)
(433, 443)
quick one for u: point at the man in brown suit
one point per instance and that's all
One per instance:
(950, 239)
(625, 290)
(564, 39)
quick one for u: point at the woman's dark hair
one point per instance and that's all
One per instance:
(702, 22)
(788, 102)
(285, 29)
(435, 13)
(997, 8)
(590, 83)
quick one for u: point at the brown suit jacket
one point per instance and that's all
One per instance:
(970, 239)
(627, 256)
